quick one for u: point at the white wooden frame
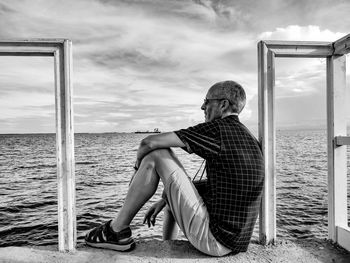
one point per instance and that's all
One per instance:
(338, 229)
(61, 50)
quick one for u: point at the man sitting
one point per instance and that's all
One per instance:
(219, 220)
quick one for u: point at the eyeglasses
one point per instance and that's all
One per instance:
(206, 101)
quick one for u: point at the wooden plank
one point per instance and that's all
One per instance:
(27, 54)
(336, 126)
(342, 46)
(271, 183)
(267, 219)
(262, 72)
(36, 47)
(71, 221)
(41, 42)
(59, 152)
(300, 49)
(343, 234)
(342, 140)
(65, 149)
(272, 43)
(315, 51)
(27, 50)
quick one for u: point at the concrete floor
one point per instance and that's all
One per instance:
(182, 251)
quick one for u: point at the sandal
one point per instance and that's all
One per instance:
(104, 236)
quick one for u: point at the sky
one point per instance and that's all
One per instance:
(140, 65)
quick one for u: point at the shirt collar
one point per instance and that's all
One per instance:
(232, 114)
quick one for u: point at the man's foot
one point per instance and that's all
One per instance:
(104, 236)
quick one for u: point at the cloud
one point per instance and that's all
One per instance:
(26, 74)
(28, 124)
(300, 77)
(300, 102)
(124, 117)
(151, 62)
(302, 33)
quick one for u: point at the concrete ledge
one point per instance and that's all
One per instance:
(182, 251)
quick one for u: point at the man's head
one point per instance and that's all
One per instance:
(223, 98)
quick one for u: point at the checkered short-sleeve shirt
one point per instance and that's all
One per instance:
(235, 172)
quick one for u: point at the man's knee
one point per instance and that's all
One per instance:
(165, 162)
(159, 154)
(152, 158)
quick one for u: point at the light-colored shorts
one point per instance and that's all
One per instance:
(190, 213)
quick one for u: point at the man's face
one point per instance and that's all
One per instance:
(211, 106)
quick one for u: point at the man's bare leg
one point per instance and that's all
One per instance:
(145, 183)
(143, 186)
(170, 227)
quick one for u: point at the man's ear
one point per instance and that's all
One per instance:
(225, 105)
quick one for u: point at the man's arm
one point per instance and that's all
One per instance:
(158, 141)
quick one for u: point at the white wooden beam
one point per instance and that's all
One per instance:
(34, 47)
(40, 42)
(343, 234)
(300, 49)
(266, 79)
(336, 126)
(342, 46)
(65, 148)
(342, 140)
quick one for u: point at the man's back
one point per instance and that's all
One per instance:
(235, 171)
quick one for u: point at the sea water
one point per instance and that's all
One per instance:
(28, 186)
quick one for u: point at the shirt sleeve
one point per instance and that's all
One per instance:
(202, 139)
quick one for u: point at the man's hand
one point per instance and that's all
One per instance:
(153, 211)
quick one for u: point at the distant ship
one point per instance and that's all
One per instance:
(156, 130)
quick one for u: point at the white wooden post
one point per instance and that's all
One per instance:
(266, 82)
(62, 52)
(336, 126)
(65, 148)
